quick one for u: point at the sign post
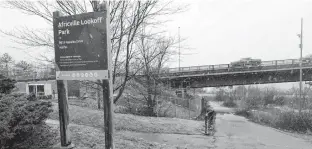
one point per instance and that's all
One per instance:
(82, 52)
(62, 101)
(107, 85)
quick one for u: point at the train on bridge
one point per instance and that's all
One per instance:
(244, 63)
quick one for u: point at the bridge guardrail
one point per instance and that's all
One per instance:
(265, 65)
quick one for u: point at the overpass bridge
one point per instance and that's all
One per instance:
(276, 71)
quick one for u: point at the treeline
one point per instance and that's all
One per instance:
(23, 69)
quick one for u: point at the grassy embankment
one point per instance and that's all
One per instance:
(94, 118)
(87, 128)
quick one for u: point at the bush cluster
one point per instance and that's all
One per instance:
(227, 98)
(221, 95)
(285, 120)
(250, 98)
(6, 85)
(229, 103)
(46, 97)
(22, 122)
(294, 121)
(256, 105)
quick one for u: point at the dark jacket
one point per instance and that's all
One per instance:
(211, 114)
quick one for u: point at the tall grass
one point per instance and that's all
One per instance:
(285, 120)
(289, 120)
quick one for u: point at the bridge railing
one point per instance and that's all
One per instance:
(275, 64)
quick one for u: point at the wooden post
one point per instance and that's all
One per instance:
(107, 86)
(175, 107)
(189, 107)
(202, 106)
(63, 112)
(155, 98)
(108, 114)
(206, 124)
(98, 94)
(62, 101)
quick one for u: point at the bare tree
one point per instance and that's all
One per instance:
(153, 53)
(23, 69)
(306, 96)
(127, 18)
(24, 65)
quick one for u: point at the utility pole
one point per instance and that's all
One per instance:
(300, 85)
(189, 106)
(180, 86)
(179, 49)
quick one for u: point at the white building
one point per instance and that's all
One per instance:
(39, 88)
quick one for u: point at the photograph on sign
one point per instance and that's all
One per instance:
(80, 46)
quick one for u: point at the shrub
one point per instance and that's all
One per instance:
(229, 103)
(286, 120)
(263, 117)
(46, 97)
(22, 121)
(268, 98)
(145, 111)
(121, 109)
(243, 112)
(49, 96)
(254, 102)
(221, 95)
(290, 120)
(31, 97)
(280, 100)
(6, 85)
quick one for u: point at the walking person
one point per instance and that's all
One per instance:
(210, 118)
(53, 94)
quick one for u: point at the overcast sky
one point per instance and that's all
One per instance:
(218, 31)
(221, 31)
